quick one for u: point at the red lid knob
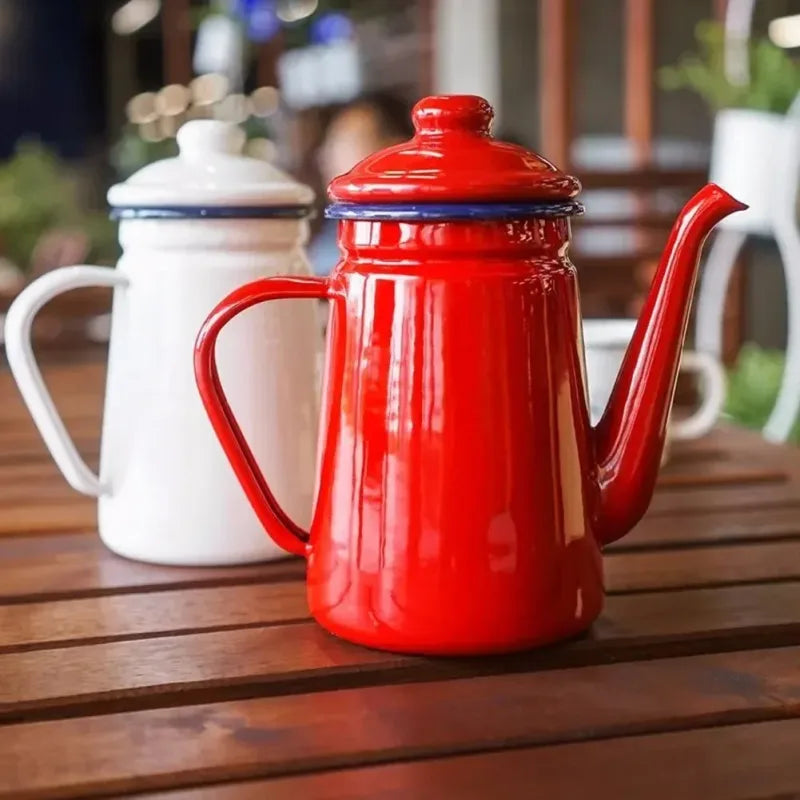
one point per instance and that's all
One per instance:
(456, 112)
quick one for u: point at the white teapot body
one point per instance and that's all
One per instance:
(165, 491)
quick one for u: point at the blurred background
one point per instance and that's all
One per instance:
(622, 93)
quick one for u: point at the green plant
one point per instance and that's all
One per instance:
(774, 76)
(37, 195)
(753, 386)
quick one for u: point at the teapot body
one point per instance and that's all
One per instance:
(462, 495)
(192, 228)
(456, 481)
(171, 497)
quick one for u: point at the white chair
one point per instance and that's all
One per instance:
(770, 187)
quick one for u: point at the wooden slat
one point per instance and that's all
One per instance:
(35, 472)
(83, 562)
(700, 528)
(148, 678)
(26, 450)
(174, 747)
(730, 763)
(181, 668)
(206, 667)
(21, 549)
(714, 465)
(108, 617)
(37, 516)
(81, 402)
(77, 389)
(30, 570)
(71, 566)
(81, 428)
(702, 566)
(724, 498)
(76, 376)
(52, 491)
(733, 442)
(719, 474)
(94, 619)
(82, 303)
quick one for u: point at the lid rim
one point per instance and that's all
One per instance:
(165, 212)
(470, 211)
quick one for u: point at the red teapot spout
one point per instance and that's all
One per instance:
(629, 439)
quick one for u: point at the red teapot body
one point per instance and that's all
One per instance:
(462, 494)
(456, 484)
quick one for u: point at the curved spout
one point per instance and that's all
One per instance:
(629, 439)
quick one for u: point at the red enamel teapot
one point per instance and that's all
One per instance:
(462, 494)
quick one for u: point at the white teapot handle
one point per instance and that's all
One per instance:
(25, 370)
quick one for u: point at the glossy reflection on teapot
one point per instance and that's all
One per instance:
(462, 493)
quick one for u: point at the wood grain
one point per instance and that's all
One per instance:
(736, 762)
(177, 666)
(78, 565)
(200, 667)
(720, 475)
(726, 497)
(702, 566)
(35, 568)
(26, 449)
(41, 517)
(87, 620)
(17, 429)
(175, 747)
(120, 677)
(699, 528)
(80, 620)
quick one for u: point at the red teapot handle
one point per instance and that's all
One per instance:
(286, 533)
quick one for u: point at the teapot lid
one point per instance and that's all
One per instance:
(210, 178)
(453, 159)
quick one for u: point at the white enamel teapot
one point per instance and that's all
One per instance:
(192, 229)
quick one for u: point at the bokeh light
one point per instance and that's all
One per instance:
(265, 101)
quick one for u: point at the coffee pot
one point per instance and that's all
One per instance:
(192, 228)
(462, 493)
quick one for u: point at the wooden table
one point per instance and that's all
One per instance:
(117, 677)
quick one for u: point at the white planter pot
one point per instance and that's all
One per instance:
(744, 162)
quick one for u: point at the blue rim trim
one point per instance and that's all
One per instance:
(211, 212)
(452, 211)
